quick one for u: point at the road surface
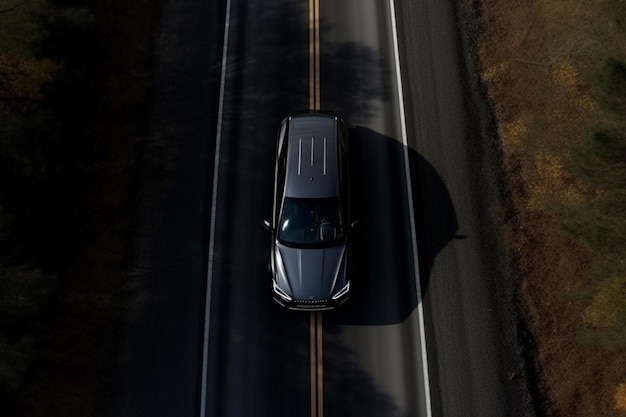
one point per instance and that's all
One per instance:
(203, 336)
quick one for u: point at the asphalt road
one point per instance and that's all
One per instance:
(207, 186)
(473, 341)
(260, 355)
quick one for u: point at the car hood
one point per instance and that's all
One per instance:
(312, 274)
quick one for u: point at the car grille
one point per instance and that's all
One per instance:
(310, 303)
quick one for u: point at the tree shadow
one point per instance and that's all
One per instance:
(354, 94)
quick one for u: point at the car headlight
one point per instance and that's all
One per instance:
(340, 278)
(342, 291)
(280, 274)
(282, 294)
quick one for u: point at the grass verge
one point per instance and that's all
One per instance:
(555, 74)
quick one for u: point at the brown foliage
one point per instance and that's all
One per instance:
(537, 58)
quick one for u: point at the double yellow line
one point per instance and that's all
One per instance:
(315, 318)
(316, 365)
(314, 54)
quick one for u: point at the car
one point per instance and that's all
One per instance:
(311, 220)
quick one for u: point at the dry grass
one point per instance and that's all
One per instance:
(538, 58)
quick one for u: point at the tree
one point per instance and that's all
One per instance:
(22, 80)
(11, 7)
(610, 83)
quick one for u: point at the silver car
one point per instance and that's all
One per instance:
(311, 221)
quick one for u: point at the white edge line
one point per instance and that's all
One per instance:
(420, 309)
(216, 166)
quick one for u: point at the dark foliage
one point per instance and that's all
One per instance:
(610, 83)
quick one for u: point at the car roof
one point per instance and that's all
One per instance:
(312, 157)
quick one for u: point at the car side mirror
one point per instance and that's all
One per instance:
(267, 225)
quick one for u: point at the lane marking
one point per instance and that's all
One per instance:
(216, 166)
(316, 364)
(407, 169)
(312, 358)
(320, 368)
(314, 55)
(311, 55)
(318, 89)
(316, 340)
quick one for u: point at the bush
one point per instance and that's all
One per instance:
(608, 266)
(599, 222)
(610, 83)
(596, 229)
(15, 358)
(24, 294)
(608, 308)
(601, 161)
(610, 339)
(605, 316)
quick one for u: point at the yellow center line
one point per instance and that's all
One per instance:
(316, 365)
(312, 368)
(317, 55)
(311, 55)
(315, 318)
(314, 55)
(320, 368)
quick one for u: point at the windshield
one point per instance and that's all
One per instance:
(310, 221)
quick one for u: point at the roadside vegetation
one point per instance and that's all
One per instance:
(73, 82)
(555, 73)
